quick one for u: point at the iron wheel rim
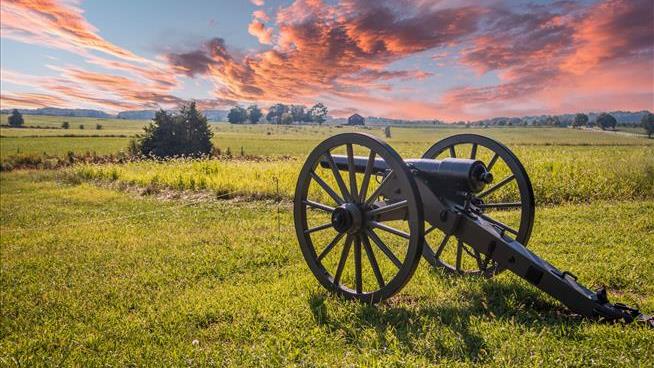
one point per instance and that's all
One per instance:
(415, 221)
(525, 189)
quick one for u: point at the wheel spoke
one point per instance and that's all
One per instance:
(319, 206)
(428, 253)
(469, 251)
(341, 262)
(318, 228)
(492, 162)
(366, 176)
(384, 248)
(358, 282)
(459, 254)
(326, 188)
(496, 186)
(372, 260)
(337, 176)
(389, 208)
(486, 262)
(441, 247)
(500, 224)
(473, 152)
(452, 151)
(352, 172)
(330, 246)
(389, 229)
(379, 189)
(478, 258)
(502, 205)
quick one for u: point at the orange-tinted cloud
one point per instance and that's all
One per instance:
(555, 57)
(261, 15)
(614, 29)
(257, 2)
(62, 25)
(574, 59)
(56, 25)
(322, 48)
(30, 99)
(259, 30)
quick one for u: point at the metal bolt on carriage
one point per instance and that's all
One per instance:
(466, 206)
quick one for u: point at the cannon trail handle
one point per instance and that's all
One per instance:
(562, 285)
(487, 239)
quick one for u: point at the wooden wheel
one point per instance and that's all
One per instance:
(347, 248)
(508, 204)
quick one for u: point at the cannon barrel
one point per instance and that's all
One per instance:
(456, 174)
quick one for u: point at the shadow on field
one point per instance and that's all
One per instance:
(451, 330)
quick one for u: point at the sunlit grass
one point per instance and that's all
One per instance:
(558, 174)
(94, 277)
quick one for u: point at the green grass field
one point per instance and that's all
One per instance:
(140, 264)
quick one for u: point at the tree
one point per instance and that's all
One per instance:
(387, 131)
(15, 119)
(647, 121)
(581, 119)
(297, 112)
(287, 118)
(254, 114)
(318, 113)
(198, 133)
(553, 121)
(98, 126)
(606, 121)
(65, 125)
(81, 126)
(275, 113)
(237, 115)
(186, 133)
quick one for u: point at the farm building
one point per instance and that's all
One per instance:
(355, 119)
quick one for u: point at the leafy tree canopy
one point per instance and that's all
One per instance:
(580, 119)
(647, 122)
(15, 119)
(606, 121)
(254, 114)
(237, 115)
(318, 113)
(186, 133)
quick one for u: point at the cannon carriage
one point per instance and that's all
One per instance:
(466, 206)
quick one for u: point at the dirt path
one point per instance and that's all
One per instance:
(616, 132)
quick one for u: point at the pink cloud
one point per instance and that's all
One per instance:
(259, 30)
(261, 15)
(328, 48)
(555, 57)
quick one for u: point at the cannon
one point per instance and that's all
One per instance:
(466, 206)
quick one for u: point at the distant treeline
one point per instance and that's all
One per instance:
(279, 114)
(623, 118)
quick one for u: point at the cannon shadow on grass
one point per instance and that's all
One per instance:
(494, 301)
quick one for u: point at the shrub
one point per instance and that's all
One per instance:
(186, 133)
(606, 121)
(15, 119)
(65, 125)
(647, 122)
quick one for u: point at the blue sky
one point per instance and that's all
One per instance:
(420, 60)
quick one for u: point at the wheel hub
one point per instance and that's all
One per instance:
(347, 218)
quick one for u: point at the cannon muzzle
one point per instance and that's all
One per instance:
(455, 174)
